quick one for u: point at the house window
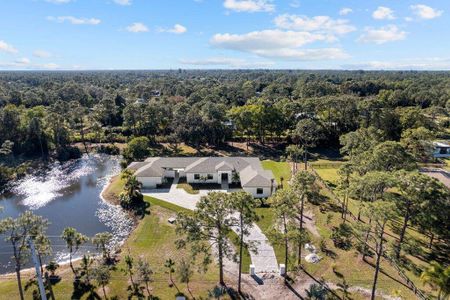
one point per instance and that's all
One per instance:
(259, 191)
(196, 176)
(210, 176)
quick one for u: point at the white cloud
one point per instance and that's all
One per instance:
(58, 1)
(75, 20)
(137, 27)
(425, 12)
(435, 63)
(317, 23)
(383, 13)
(25, 64)
(22, 61)
(265, 39)
(382, 35)
(122, 2)
(227, 62)
(278, 44)
(249, 5)
(5, 47)
(42, 54)
(345, 11)
(177, 29)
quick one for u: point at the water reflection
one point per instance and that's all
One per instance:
(68, 194)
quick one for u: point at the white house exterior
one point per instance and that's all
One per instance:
(221, 170)
(441, 150)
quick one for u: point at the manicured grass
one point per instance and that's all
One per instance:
(327, 170)
(279, 169)
(114, 188)
(154, 240)
(246, 259)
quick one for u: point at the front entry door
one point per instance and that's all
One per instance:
(225, 177)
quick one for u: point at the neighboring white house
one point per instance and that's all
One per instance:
(441, 150)
(221, 170)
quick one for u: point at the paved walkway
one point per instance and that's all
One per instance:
(263, 259)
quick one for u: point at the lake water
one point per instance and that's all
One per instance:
(67, 194)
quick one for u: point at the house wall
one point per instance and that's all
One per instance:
(169, 173)
(149, 182)
(190, 178)
(252, 191)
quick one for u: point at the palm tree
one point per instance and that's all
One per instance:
(185, 273)
(102, 275)
(145, 274)
(102, 241)
(132, 187)
(73, 240)
(316, 292)
(170, 266)
(51, 267)
(129, 263)
(438, 277)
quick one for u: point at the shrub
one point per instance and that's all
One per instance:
(342, 236)
(66, 153)
(108, 149)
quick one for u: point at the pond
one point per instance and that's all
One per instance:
(67, 194)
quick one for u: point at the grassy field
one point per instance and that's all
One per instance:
(327, 170)
(153, 240)
(279, 169)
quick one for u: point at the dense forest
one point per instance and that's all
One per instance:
(43, 114)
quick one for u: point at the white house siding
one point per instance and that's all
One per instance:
(190, 178)
(149, 182)
(252, 191)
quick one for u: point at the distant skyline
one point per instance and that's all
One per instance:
(224, 34)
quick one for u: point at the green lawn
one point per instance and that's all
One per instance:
(327, 170)
(246, 259)
(153, 240)
(279, 169)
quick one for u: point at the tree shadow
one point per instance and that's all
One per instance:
(321, 282)
(81, 288)
(141, 209)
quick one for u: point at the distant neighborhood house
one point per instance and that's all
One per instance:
(246, 171)
(441, 150)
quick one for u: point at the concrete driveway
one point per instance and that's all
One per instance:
(263, 259)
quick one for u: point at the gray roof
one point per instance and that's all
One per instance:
(250, 170)
(224, 166)
(255, 178)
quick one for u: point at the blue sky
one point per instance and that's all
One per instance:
(226, 34)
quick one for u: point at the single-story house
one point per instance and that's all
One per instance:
(441, 150)
(247, 171)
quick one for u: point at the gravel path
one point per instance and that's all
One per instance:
(263, 258)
